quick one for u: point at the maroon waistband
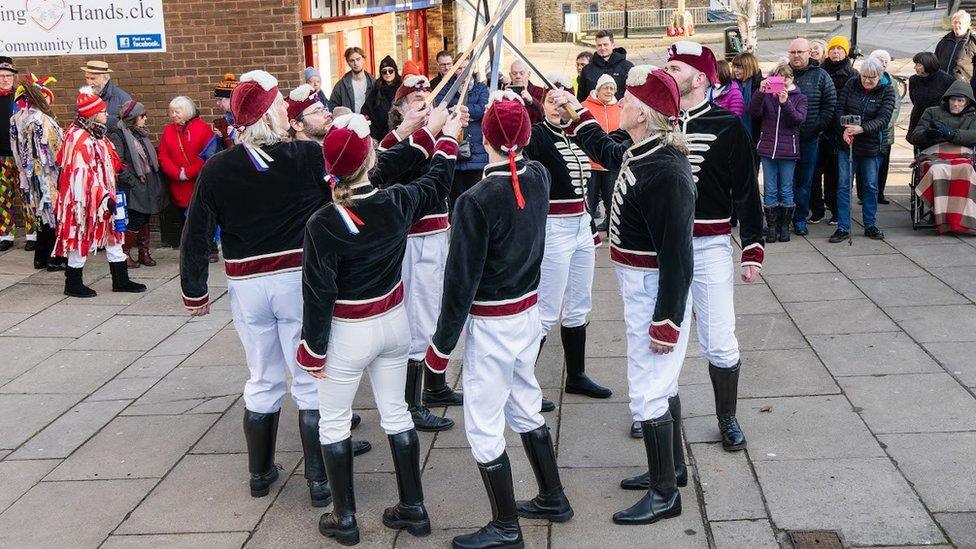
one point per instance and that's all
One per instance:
(430, 224)
(368, 308)
(573, 207)
(505, 308)
(625, 258)
(266, 264)
(712, 228)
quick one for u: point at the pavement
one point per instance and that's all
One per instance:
(120, 416)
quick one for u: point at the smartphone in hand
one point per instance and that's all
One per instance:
(775, 84)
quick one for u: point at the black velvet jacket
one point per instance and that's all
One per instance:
(721, 161)
(364, 268)
(568, 165)
(261, 215)
(651, 219)
(435, 219)
(496, 252)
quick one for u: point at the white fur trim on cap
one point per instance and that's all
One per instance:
(685, 47)
(300, 93)
(414, 80)
(354, 122)
(637, 75)
(562, 80)
(504, 95)
(263, 78)
(604, 80)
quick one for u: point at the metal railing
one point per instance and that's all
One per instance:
(786, 11)
(636, 19)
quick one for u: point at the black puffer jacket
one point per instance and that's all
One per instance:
(816, 84)
(840, 71)
(874, 107)
(926, 91)
(616, 66)
(957, 56)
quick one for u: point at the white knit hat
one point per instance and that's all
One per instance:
(604, 80)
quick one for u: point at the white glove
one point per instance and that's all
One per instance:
(183, 176)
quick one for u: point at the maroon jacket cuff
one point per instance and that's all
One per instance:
(436, 361)
(585, 117)
(423, 140)
(753, 256)
(446, 146)
(389, 141)
(665, 332)
(307, 360)
(196, 302)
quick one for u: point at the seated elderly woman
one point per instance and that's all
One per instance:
(945, 135)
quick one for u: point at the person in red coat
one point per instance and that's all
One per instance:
(179, 154)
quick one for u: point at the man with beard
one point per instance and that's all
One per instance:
(351, 90)
(606, 60)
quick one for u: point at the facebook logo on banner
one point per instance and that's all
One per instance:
(139, 41)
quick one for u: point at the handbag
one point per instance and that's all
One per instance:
(464, 148)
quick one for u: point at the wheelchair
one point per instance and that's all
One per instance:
(922, 215)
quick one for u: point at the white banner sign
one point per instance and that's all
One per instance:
(80, 27)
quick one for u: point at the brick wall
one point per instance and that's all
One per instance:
(204, 40)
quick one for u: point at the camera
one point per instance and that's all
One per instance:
(850, 120)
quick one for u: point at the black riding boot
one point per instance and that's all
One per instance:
(773, 218)
(410, 512)
(44, 247)
(120, 279)
(74, 285)
(783, 229)
(503, 531)
(662, 499)
(423, 420)
(547, 405)
(436, 391)
(341, 522)
(261, 432)
(574, 350)
(725, 382)
(643, 481)
(551, 503)
(318, 483)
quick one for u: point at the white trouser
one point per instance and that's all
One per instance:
(377, 345)
(567, 272)
(423, 285)
(651, 378)
(114, 254)
(712, 293)
(267, 314)
(499, 380)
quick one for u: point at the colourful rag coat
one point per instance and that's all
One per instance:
(36, 139)
(86, 193)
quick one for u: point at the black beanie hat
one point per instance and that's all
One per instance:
(389, 62)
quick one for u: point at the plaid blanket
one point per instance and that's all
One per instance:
(948, 186)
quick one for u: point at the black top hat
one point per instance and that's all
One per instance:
(7, 64)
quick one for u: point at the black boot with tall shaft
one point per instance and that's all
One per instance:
(437, 392)
(662, 499)
(551, 503)
(74, 284)
(409, 513)
(642, 482)
(318, 482)
(120, 279)
(725, 383)
(341, 522)
(574, 350)
(423, 420)
(261, 433)
(503, 532)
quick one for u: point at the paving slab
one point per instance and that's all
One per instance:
(166, 300)
(963, 279)
(192, 390)
(141, 333)
(832, 494)
(597, 491)
(456, 437)
(22, 416)
(754, 534)
(797, 263)
(535, 537)
(839, 317)
(76, 372)
(224, 349)
(64, 319)
(292, 522)
(187, 499)
(755, 299)
(65, 434)
(123, 388)
(925, 403)
(25, 298)
(134, 447)
(813, 427)
(227, 435)
(788, 372)
(180, 344)
(792, 288)
(920, 292)
(17, 477)
(870, 354)
(609, 372)
(155, 367)
(905, 237)
(960, 527)
(607, 442)
(861, 247)
(29, 352)
(957, 359)
(878, 266)
(937, 323)
(223, 540)
(605, 339)
(700, 429)
(940, 467)
(728, 486)
(956, 254)
(8, 320)
(6, 281)
(611, 307)
(764, 332)
(85, 513)
(122, 299)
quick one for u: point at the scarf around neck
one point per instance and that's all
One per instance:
(89, 125)
(144, 160)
